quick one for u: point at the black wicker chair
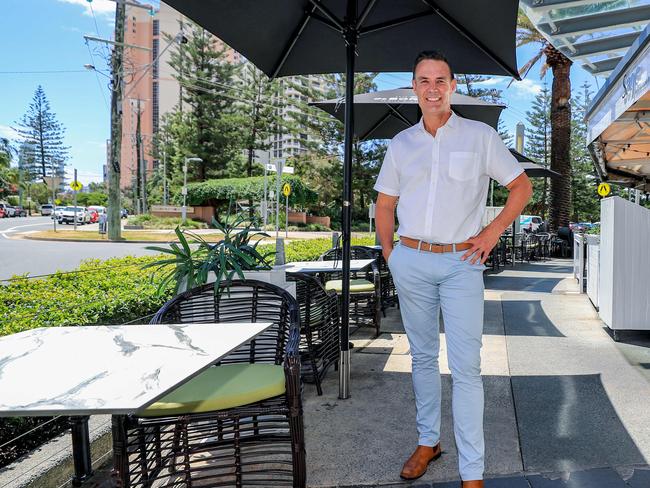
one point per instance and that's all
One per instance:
(184, 443)
(389, 296)
(319, 321)
(365, 287)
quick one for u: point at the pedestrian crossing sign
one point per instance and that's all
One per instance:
(604, 189)
(76, 185)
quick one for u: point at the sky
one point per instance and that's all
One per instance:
(41, 43)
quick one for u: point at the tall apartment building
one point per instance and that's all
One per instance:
(139, 102)
(151, 89)
(285, 145)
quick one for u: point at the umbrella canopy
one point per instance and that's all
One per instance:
(534, 169)
(383, 114)
(291, 37)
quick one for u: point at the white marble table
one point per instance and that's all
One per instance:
(311, 267)
(84, 370)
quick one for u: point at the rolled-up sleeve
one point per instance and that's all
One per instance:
(501, 164)
(388, 179)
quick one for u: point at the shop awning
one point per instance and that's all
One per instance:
(618, 120)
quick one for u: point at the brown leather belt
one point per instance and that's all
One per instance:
(430, 247)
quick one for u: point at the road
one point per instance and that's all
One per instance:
(19, 256)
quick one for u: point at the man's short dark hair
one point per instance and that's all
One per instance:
(435, 56)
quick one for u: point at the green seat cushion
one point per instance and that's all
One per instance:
(220, 388)
(356, 286)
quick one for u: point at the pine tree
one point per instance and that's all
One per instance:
(538, 148)
(43, 135)
(5, 166)
(204, 124)
(584, 180)
(258, 114)
(472, 85)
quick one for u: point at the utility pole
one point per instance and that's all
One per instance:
(114, 170)
(141, 165)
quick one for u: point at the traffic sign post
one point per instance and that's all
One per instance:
(286, 191)
(76, 186)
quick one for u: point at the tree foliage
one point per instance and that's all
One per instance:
(220, 192)
(43, 151)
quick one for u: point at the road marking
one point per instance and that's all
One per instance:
(13, 229)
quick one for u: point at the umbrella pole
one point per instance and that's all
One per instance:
(351, 38)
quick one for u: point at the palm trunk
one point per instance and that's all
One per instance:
(561, 204)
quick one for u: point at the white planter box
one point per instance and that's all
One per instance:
(593, 267)
(624, 289)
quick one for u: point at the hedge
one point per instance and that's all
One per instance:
(114, 291)
(227, 189)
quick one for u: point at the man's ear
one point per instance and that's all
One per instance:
(453, 85)
(413, 84)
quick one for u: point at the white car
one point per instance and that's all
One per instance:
(9, 211)
(68, 214)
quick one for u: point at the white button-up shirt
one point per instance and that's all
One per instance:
(442, 181)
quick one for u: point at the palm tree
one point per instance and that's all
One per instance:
(560, 204)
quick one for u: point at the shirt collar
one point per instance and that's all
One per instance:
(451, 123)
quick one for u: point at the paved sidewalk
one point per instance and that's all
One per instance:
(563, 406)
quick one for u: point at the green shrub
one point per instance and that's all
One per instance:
(114, 291)
(227, 189)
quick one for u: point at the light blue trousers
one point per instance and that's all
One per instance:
(425, 282)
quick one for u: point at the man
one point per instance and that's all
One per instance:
(439, 170)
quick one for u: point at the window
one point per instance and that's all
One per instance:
(156, 27)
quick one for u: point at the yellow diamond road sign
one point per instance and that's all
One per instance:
(604, 189)
(286, 189)
(76, 185)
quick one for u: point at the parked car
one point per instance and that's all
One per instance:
(20, 211)
(2, 212)
(68, 215)
(94, 215)
(124, 213)
(47, 209)
(8, 210)
(56, 213)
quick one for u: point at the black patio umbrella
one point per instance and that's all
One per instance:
(383, 114)
(533, 169)
(292, 37)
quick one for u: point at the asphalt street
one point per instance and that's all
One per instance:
(20, 256)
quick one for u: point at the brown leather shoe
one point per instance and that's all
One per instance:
(473, 484)
(419, 461)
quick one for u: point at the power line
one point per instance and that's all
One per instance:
(42, 72)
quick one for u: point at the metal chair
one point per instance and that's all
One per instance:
(389, 296)
(319, 319)
(256, 436)
(365, 288)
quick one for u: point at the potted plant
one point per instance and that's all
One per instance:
(195, 261)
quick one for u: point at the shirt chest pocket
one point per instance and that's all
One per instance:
(463, 165)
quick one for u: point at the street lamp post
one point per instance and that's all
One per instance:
(184, 191)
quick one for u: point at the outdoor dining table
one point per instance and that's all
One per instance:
(119, 370)
(314, 267)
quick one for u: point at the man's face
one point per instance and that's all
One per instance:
(433, 86)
